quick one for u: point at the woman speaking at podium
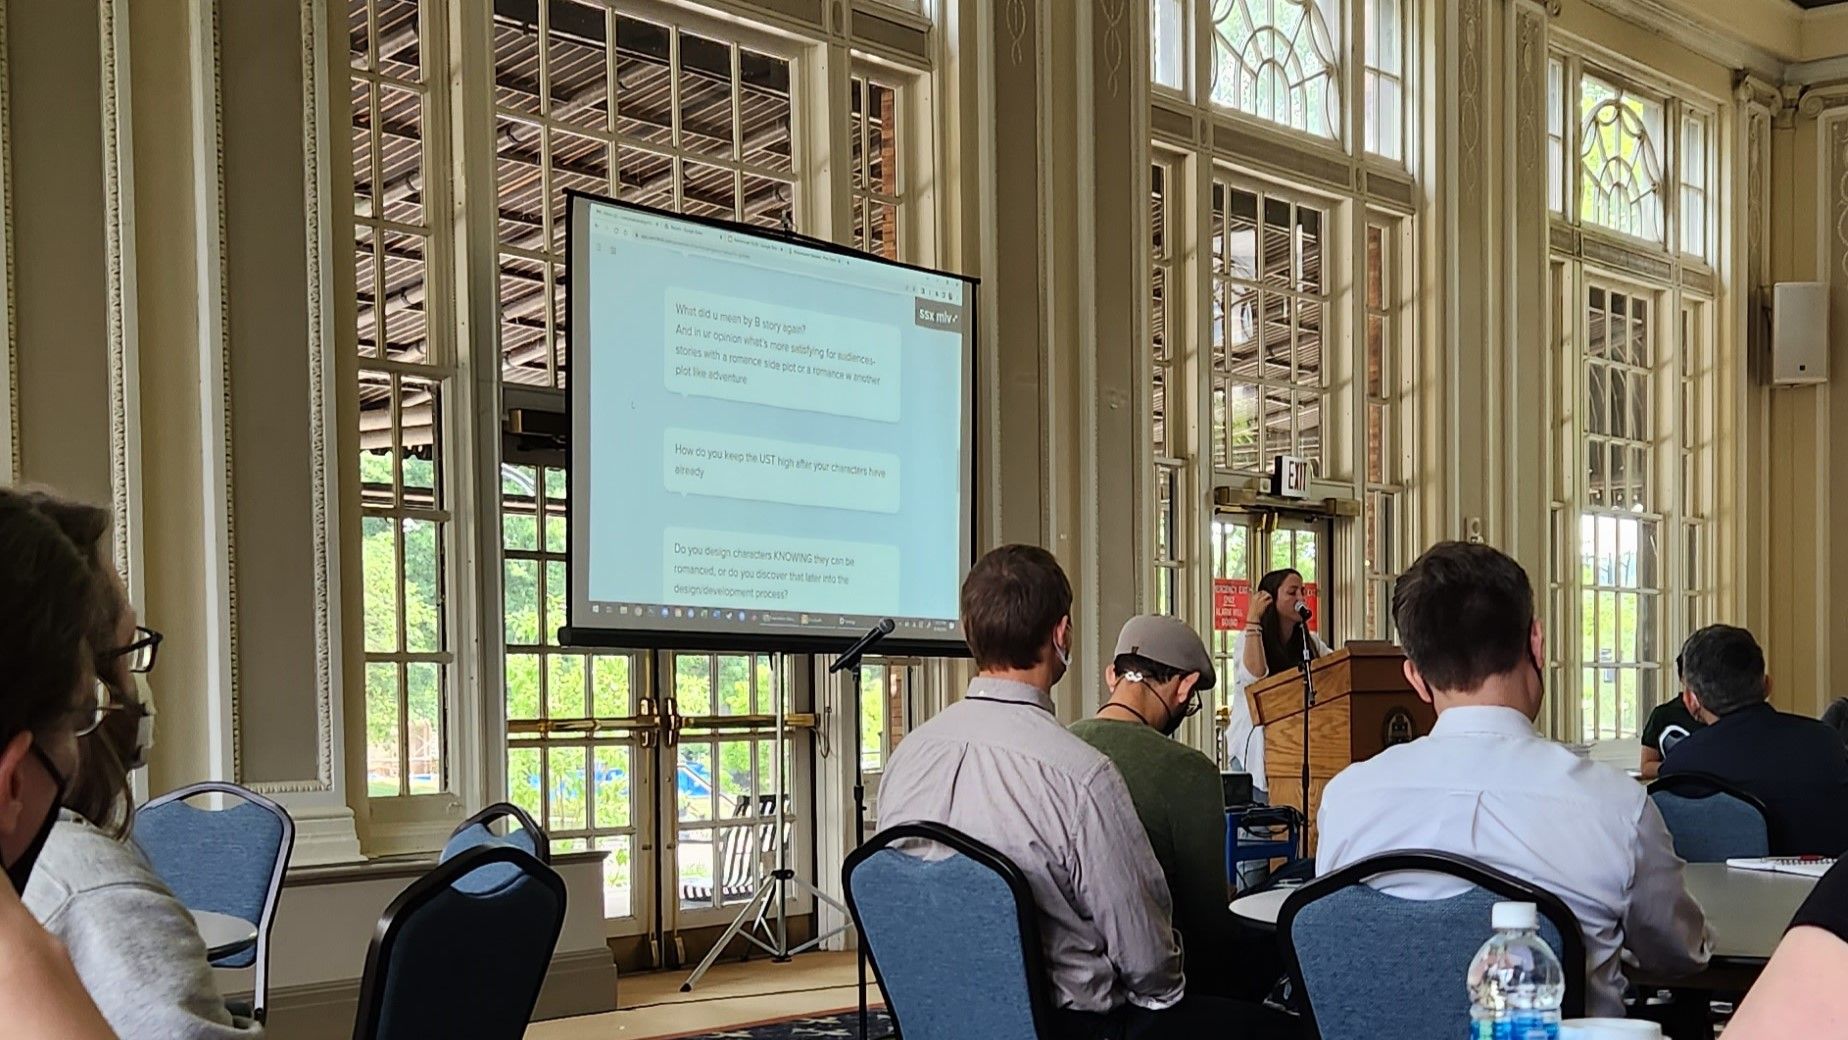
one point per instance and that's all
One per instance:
(1271, 643)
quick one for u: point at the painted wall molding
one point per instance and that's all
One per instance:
(119, 256)
(1469, 96)
(317, 206)
(1813, 101)
(317, 796)
(214, 320)
(9, 324)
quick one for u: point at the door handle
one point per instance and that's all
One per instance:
(672, 722)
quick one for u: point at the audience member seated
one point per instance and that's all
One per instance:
(50, 605)
(1485, 785)
(1796, 766)
(1800, 992)
(1155, 680)
(999, 767)
(1669, 724)
(134, 944)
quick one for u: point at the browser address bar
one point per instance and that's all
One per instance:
(829, 268)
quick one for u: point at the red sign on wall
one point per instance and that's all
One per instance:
(1309, 596)
(1231, 602)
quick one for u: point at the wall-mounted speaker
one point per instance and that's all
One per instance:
(1799, 333)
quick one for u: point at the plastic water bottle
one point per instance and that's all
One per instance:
(1515, 982)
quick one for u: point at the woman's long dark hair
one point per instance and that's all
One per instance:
(99, 790)
(1280, 654)
(51, 609)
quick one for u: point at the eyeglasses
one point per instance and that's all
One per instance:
(92, 713)
(140, 653)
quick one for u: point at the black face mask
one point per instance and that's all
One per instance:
(1187, 711)
(20, 870)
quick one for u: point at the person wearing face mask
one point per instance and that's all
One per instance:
(1484, 784)
(999, 767)
(134, 944)
(50, 607)
(1271, 644)
(1155, 679)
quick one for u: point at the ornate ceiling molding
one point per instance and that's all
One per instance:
(1715, 42)
(1749, 88)
(1813, 101)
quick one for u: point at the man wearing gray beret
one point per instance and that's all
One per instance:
(1155, 679)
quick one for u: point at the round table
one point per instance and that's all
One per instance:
(1748, 910)
(223, 934)
(1261, 909)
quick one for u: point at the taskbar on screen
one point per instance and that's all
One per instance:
(672, 616)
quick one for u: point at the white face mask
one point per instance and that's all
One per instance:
(1065, 655)
(144, 740)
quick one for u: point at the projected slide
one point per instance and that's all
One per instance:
(770, 440)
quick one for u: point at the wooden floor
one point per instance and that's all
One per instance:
(730, 995)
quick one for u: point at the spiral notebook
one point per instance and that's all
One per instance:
(1804, 866)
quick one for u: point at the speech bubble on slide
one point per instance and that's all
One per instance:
(734, 349)
(751, 570)
(759, 469)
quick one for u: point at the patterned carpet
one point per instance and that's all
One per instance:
(828, 1027)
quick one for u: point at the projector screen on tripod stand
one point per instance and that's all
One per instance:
(770, 438)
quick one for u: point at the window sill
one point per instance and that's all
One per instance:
(402, 866)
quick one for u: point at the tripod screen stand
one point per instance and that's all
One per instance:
(754, 918)
(764, 918)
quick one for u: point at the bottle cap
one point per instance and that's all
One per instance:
(1514, 915)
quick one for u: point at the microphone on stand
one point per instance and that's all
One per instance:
(1302, 611)
(851, 656)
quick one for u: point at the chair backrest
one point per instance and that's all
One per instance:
(229, 861)
(954, 942)
(454, 957)
(1372, 965)
(1711, 820)
(478, 832)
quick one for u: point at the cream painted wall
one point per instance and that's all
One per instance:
(195, 414)
(61, 286)
(1808, 491)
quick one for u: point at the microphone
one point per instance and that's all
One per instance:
(1302, 611)
(851, 656)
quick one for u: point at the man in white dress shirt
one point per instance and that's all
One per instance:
(1485, 785)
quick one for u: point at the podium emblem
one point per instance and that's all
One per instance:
(1398, 728)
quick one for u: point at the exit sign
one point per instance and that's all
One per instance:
(1290, 477)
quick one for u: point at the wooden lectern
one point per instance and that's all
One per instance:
(1363, 705)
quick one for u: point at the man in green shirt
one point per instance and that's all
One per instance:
(1155, 681)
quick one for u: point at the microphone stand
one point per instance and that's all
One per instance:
(849, 662)
(1308, 703)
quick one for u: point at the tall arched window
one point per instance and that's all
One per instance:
(1277, 60)
(1280, 263)
(1633, 291)
(1620, 159)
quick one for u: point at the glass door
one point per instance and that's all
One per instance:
(1245, 545)
(679, 788)
(731, 815)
